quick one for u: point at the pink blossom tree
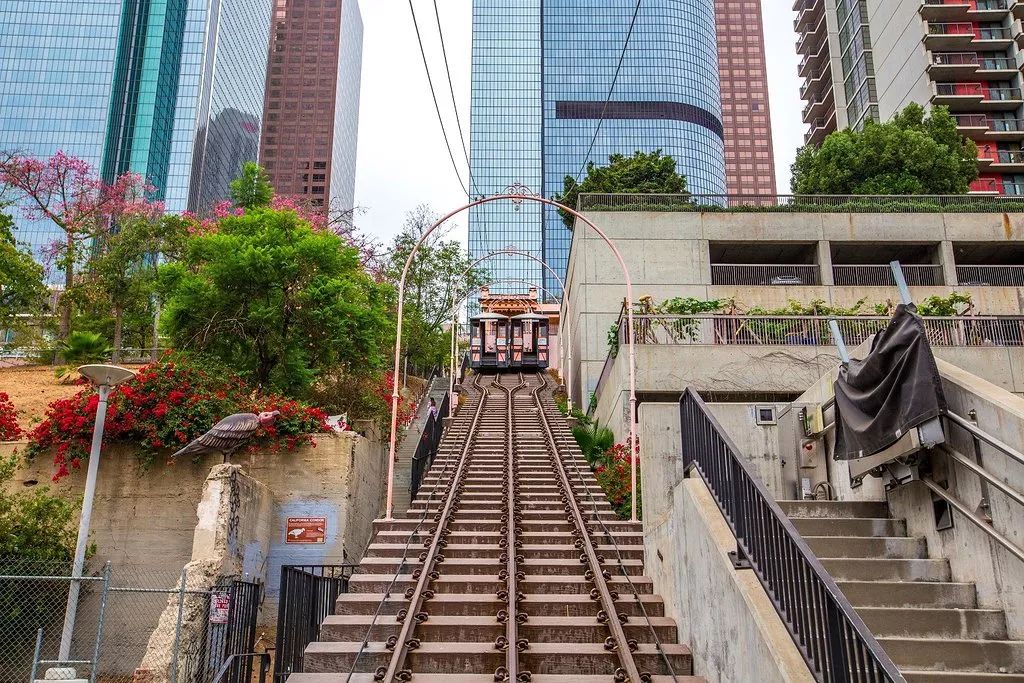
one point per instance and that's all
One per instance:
(66, 191)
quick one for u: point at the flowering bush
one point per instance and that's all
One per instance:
(613, 476)
(9, 428)
(166, 405)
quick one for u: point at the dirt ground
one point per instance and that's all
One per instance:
(31, 389)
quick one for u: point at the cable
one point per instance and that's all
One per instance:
(455, 106)
(611, 90)
(433, 94)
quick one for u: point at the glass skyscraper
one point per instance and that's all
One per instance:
(170, 89)
(541, 75)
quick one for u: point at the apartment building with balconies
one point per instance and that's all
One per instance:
(868, 59)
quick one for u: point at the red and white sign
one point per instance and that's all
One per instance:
(306, 530)
(220, 607)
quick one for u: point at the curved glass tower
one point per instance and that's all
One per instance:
(541, 75)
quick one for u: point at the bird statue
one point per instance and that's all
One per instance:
(230, 434)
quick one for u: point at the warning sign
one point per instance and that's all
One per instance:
(306, 530)
(220, 607)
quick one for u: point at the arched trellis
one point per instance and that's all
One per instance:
(517, 194)
(565, 350)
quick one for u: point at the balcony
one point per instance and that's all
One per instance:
(1008, 161)
(994, 276)
(982, 127)
(817, 106)
(985, 186)
(820, 128)
(1017, 8)
(988, 264)
(772, 275)
(810, 41)
(808, 14)
(875, 275)
(974, 97)
(963, 10)
(949, 36)
(961, 65)
(818, 82)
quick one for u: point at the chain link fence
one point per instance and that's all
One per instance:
(132, 625)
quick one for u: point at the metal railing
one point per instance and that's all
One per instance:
(308, 594)
(976, 90)
(951, 28)
(881, 275)
(430, 439)
(765, 274)
(807, 330)
(981, 5)
(997, 276)
(746, 203)
(832, 638)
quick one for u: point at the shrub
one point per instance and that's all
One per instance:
(594, 440)
(81, 348)
(9, 428)
(613, 476)
(166, 405)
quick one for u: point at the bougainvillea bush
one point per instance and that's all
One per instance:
(9, 429)
(165, 406)
(613, 476)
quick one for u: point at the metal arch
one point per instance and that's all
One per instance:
(517, 195)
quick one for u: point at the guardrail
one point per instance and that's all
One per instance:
(832, 638)
(308, 593)
(765, 274)
(745, 203)
(881, 275)
(762, 330)
(433, 430)
(997, 276)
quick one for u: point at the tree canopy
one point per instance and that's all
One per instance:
(21, 279)
(641, 173)
(252, 188)
(910, 154)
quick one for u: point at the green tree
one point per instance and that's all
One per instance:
(252, 188)
(436, 282)
(21, 279)
(910, 154)
(275, 300)
(642, 173)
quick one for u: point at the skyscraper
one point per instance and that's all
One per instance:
(541, 77)
(746, 117)
(169, 89)
(964, 55)
(308, 145)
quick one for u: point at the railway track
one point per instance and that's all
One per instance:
(509, 566)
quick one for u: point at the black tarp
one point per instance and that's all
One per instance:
(893, 390)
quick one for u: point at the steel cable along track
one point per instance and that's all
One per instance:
(514, 584)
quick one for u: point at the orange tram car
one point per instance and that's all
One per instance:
(498, 343)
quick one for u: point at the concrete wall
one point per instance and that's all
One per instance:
(738, 636)
(900, 58)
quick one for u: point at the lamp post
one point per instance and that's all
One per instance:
(104, 378)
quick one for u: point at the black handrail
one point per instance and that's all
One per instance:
(832, 638)
(308, 594)
(430, 439)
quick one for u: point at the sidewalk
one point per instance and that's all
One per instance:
(407, 449)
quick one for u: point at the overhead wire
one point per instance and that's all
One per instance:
(433, 94)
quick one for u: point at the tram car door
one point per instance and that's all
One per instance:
(531, 340)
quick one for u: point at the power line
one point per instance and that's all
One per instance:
(455, 105)
(433, 94)
(611, 90)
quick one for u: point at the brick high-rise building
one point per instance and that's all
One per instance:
(749, 162)
(311, 119)
(963, 54)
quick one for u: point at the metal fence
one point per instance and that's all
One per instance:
(758, 330)
(129, 622)
(308, 595)
(22, 355)
(740, 203)
(996, 276)
(427, 447)
(832, 638)
(765, 274)
(881, 275)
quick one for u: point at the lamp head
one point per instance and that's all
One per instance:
(109, 375)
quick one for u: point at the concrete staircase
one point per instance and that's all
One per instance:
(407, 449)
(930, 625)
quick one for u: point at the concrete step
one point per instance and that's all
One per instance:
(868, 547)
(482, 678)
(946, 594)
(551, 604)
(922, 654)
(488, 583)
(972, 624)
(492, 551)
(960, 677)
(845, 526)
(583, 659)
(833, 508)
(462, 566)
(857, 569)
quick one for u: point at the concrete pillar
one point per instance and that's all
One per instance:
(825, 263)
(948, 262)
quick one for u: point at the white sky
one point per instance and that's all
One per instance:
(402, 157)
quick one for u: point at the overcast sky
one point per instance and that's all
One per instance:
(402, 157)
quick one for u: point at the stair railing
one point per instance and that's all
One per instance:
(834, 641)
(426, 449)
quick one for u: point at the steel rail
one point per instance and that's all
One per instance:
(618, 554)
(413, 614)
(510, 557)
(622, 646)
(408, 543)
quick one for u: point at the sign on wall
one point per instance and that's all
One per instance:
(220, 607)
(305, 530)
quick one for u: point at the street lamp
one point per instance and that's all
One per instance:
(104, 378)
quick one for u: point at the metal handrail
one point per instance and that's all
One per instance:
(685, 202)
(264, 658)
(430, 439)
(833, 639)
(973, 518)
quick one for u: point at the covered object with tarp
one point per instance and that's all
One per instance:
(895, 389)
